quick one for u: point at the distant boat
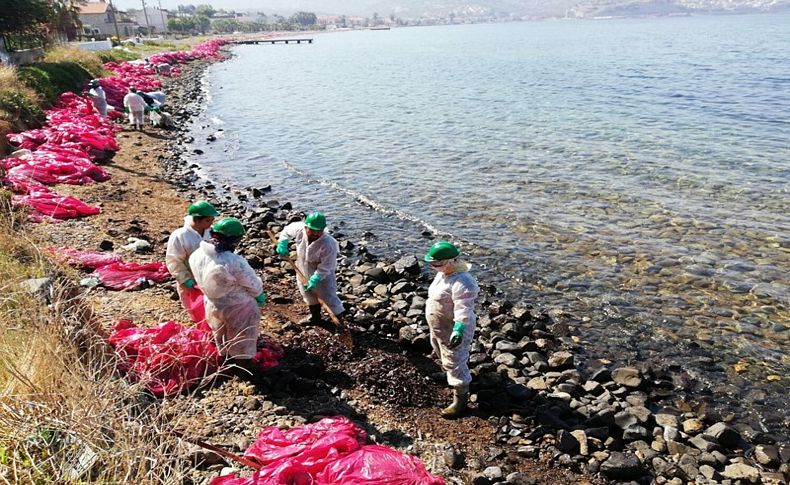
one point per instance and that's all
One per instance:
(380, 27)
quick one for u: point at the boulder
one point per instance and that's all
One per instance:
(622, 466)
(726, 435)
(561, 360)
(741, 471)
(627, 376)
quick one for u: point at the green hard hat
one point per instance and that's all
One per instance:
(202, 208)
(441, 251)
(228, 226)
(315, 221)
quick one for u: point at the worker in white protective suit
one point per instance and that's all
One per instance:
(316, 257)
(134, 104)
(450, 311)
(184, 241)
(99, 98)
(233, 293)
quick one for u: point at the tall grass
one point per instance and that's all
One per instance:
(89, 60)
(65, 416)
(19, 108)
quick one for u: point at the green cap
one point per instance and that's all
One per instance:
(132, 89)
(228, 226)
(315, 221)
(202, 208)
(441, 251)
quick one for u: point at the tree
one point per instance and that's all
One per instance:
(205, 10)
(304, 19)
(66, 18)
(24, 17)
(186, 10)
(202, 23)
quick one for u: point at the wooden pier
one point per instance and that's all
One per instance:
(273, 41)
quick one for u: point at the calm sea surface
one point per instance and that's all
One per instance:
(633, 173)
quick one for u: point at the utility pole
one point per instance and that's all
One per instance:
(147, 25)
(115, 21)
(162, 15)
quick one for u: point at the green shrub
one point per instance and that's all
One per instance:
(116, 55)
(50, 79)
(89, 60)
(18, 107)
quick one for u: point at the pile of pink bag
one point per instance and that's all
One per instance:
(127, 276)
(62, 152)
(167, 358)
(111, 271)
(171, 357)
(206, 50)
(329, 451)
(84, 259)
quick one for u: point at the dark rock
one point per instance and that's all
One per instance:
(624, 420)
(601, 375)
(621, 466)
(106, 245)
(767, 455)
(453, 458)
(633, 433)
(704, 443)
(566, 443)
(519, 478)
(260, 191)
(377, 274)
(408, 264)
(724, 434)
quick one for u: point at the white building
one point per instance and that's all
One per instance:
(157, 19)
(99, 19)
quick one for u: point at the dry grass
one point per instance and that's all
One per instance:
(89, 60)
(65, 416)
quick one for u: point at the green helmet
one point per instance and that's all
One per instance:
(441, 251)
(315, 221)
(202, 208)
(228, 226)
(132, 89)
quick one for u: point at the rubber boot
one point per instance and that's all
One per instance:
(457, 408)
(314, 318)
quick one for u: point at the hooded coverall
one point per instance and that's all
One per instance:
(451, 298)
(99, 100)
(319, 256)
(180, 246)
(229, 287)
(136, 105)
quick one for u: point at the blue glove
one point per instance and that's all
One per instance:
(282, 247)
(261, 299)
(190, 283)
(312, 282)
(457, 335)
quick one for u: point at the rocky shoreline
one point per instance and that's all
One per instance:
(542, 410)
(623, 424)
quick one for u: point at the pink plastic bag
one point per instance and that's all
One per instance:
(48, 205)
(85, 259)
(167, 358)
(131, 275)
(377, 465)
(328, 452)
(193, 301)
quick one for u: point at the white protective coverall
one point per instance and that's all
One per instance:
(136, 106)
(99, 100)
(451, 298)
(180, 246)
(320, 257)
(229, 287)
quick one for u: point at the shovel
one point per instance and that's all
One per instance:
(226, 454)
(345, 333)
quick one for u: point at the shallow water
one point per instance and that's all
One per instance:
(635, 173)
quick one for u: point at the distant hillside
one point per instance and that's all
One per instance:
(524, 8)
